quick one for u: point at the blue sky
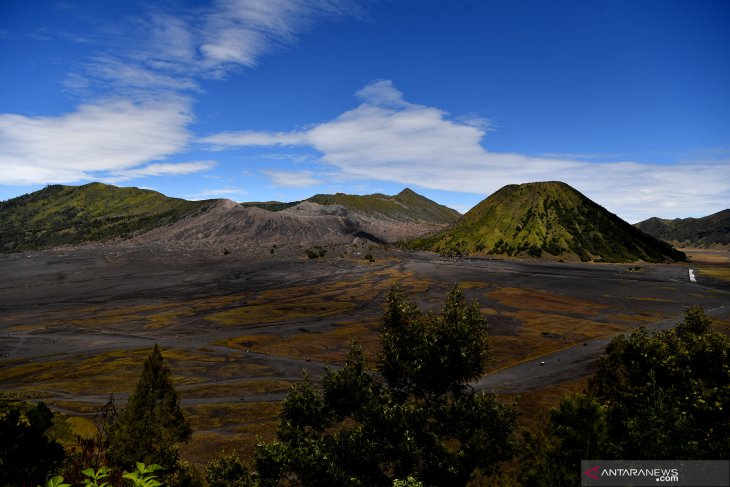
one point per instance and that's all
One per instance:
(628, 101)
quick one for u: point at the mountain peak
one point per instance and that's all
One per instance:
(547, 219)
(406, 206)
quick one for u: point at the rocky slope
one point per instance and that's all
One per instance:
(546, 219)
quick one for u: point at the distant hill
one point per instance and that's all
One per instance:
(407, 206)
(543, 218)
(700, 232)
(58, 215)
(270, 205)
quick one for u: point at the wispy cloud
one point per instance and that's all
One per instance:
(217, 193)
(292, 179)
(174, 51)
(97, 139)
(387, 138)
(138, 89)
(239, 32)
(159, 169)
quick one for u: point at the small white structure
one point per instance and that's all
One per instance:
(692, 276)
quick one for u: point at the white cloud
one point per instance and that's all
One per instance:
(110, 136)
(160, 169)
(387, 138)
(382, 93)
(292, 179)
(139, 73)
(217, 193)
(161, 51)
(225, 140)
(127, 75)
(239, 32)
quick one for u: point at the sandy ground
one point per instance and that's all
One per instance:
(59, 309)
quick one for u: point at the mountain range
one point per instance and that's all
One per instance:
(72, 215)
(545, 220)
(707, 231)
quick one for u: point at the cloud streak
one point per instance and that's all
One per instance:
(292, 179)
(107, 139)
(387, 138)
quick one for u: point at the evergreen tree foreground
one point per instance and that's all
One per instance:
(152, 425)
(415, 419)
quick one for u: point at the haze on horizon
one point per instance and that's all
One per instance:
(628, 102)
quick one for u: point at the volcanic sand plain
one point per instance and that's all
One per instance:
(237, 332)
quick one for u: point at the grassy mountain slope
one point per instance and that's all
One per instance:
(710, 230)
(270, 205)
(405, 206)
(547, 217)
(58, 215)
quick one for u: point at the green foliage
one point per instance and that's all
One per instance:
(60, 215)
(152, 424)
(577, 430)
(668, 392)
(549, 217)
(658, 395)
(315, 252)
(426, 354)
(183, 474)
(96, 477)
(144, 475)
(28, 455)
(57, 481)
(423, 421)
(409, 482)
(227, 471)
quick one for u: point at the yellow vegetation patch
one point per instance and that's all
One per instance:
(101, 374)
(338, 297)
(656, 300)
(279, 312)
(329, 346)
(239, 388)
(542, 333)
(543, 300)
(534, 406)
(251, 423)
(718, 272)
(474, 285)
(86, 408)
(708, 256)
(82, 426)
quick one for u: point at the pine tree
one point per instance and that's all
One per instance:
(152, 425)
(418, 419)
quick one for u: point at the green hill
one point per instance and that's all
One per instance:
(706, 231)
(405, 206)
(58, 215)
(270, 205)
(537, 219)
